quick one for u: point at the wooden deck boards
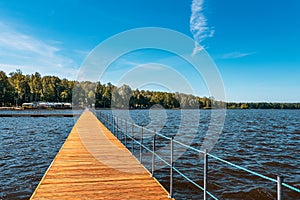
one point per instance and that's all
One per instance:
(93, 164)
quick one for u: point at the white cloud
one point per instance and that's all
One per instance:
(198, 25)
(30, 54)
(233, 55)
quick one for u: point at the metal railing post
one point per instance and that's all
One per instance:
(126, 132)
(132, 139)
(121, 124)
(141, 145)
(171, 170)
(122, 129)
(112, 122)
(279, 188)
(117, 127)
(205, 174)
(153, 154)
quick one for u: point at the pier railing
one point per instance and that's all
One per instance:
(121, 129)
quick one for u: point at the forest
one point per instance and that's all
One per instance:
(17, 88)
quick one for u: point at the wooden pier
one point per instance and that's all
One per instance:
(94, 164)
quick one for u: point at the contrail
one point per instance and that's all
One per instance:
(198, 25)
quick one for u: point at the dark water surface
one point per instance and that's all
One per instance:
(265, 141)
(27, 147)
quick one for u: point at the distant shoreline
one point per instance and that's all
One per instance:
(26, 109)
(35, 109)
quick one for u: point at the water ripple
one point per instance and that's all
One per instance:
(27, 147)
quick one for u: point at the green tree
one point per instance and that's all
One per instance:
(6, 91)
(48, 89)
(21, 87)
(35, 85)
(121, 96)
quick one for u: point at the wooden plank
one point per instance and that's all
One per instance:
(93, 164)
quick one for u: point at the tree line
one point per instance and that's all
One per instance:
(17, 88)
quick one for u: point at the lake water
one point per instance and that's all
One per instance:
(27, 147)
(265, 141)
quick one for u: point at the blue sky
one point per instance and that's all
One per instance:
(255, 44)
